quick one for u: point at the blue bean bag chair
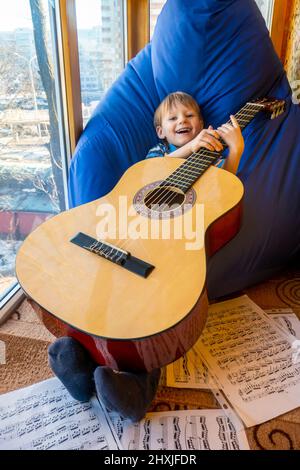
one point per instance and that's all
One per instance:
(220, 52)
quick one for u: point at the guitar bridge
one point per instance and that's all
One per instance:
(114, 254)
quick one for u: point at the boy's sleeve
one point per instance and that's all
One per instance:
(157, 151)
(220, 162)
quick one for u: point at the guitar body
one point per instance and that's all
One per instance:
(127, 321)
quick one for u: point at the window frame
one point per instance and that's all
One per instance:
(281, 25)
(69, 55)
(138, 25)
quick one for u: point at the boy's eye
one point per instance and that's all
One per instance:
(172, 118)
(190, 115)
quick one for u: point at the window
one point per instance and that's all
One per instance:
(101, 48)
(155, 9)
(266, 7)
(32, 156)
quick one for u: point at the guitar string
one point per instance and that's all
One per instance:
(187, 172)
(191, 160)
(203, 169)
(253, 108)
(186, 169)
(256, 107)
(244, 112)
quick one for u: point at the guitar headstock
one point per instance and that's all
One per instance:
(272, 106)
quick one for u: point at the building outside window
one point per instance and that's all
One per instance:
(31, 154)
(102, 51)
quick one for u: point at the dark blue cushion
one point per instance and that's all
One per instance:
(220, 52)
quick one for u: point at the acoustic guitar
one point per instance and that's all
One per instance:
(125, 274)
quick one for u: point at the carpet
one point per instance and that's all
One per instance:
(26, 340)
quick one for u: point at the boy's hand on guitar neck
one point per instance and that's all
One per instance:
(210, 139)
(232, 136)
(207, 138)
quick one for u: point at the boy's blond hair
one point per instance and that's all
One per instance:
(170, 101)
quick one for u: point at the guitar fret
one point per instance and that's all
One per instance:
(186, 178)
(197, 169)
(187, 169)
(202, 163)
(244, 121)
(245, 117)
(202, 159)
(209, 154)
(191, 172)
(183, 179)
(190, 168)
(181, 175)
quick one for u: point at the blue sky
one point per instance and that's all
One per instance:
(16, 14)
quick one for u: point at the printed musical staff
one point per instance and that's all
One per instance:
(45, 417)
(182, 430)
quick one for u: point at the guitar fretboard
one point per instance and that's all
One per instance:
(197, 163)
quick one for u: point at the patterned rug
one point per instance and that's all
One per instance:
(26, 341)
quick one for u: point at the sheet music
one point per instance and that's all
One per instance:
(45, 416)
(287, 319)
(181, 430)
(188, 372)
(252, 359)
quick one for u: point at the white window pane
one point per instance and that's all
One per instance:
(101, 45)
(266, 8)
(155, 9)
(31, 177)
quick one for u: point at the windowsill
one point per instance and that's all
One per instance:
(11, 302)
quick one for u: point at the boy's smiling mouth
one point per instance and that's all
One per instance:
(184, 130)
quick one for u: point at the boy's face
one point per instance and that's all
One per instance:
(180, 125)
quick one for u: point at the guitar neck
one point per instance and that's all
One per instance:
(197, 163)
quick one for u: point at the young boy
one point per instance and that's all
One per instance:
(179, 124)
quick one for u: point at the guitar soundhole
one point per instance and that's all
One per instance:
(164, 199)
(155, 201)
